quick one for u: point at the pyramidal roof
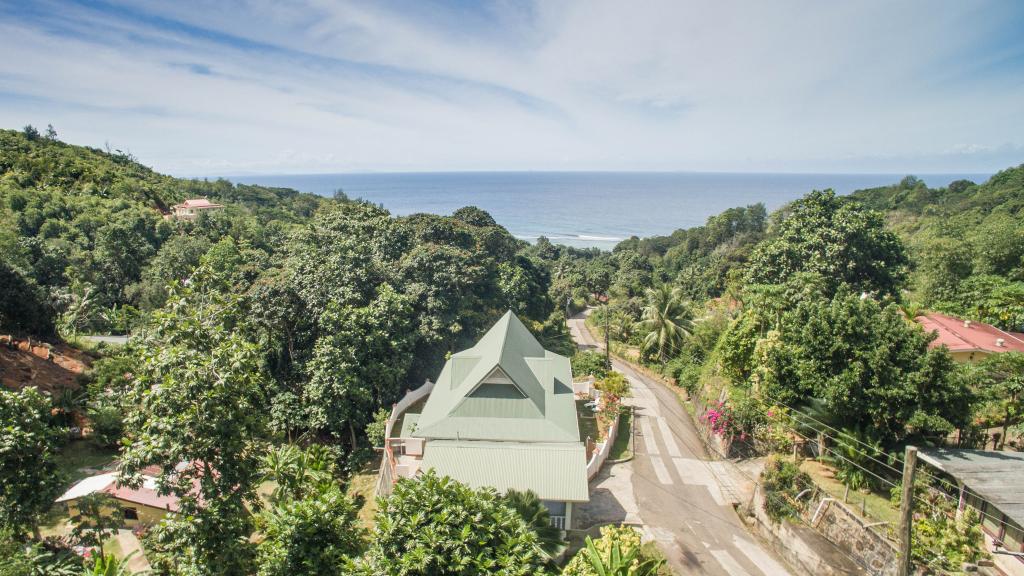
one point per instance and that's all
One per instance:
(506, 387)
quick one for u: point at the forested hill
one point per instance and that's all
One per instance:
(84, 242)
(85, 247)
(965, 242)
(38, 161)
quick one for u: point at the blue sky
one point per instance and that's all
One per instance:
(268, 86)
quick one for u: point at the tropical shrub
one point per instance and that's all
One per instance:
(435, 525)
(617, 553)
(782, 481)
(589, 363)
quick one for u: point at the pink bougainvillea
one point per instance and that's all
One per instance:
(719, 419)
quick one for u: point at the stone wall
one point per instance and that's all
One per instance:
(833, 520)
(829, 539)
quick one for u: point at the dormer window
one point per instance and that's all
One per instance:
(496, 381)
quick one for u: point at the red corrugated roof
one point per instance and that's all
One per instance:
(961, 336)
(198, 203)
(143, 495)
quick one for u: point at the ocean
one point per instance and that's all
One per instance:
(584, 209)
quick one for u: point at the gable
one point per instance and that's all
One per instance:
(506, 387)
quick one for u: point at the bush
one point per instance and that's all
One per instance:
(617, 553)
(589, 364)
(783, 481)
(107, 422)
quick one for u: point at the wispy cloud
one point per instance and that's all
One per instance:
(316, 85)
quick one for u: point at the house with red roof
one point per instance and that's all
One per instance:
(191, 208)
(967, 340)
(142, 506)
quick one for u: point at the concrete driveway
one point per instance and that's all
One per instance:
(683, 498)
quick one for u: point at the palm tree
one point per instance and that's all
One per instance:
(665, 320)
(536, 514)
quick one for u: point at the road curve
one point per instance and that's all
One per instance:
(683, 496)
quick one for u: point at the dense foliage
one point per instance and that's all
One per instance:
(29, 478)
(435, 525)
(966, 242)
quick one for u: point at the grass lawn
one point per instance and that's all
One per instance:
(361, 488)
(620, 449)
(79, 454)
(878, 507)
(587, 421)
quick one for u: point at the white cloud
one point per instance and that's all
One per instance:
(313, 85)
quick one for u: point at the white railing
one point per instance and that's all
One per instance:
(558, 522)
(388, 473)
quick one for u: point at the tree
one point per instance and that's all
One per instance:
(538, 517)
(841, 241)
(359, 362)
(24, 306)
(298, 473)
(198, 412)
(873, 370)
(29, 476)
(1004, 387)
(437, 526)
(665, 321)
(98, 516)
(376, 429)
(315, 535)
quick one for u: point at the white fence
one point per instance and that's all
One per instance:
(602, 451)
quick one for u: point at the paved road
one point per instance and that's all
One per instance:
(682, 497)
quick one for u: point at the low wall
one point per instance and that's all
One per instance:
(833, 520)
(829, 539)
(795, 543)
(603, 449)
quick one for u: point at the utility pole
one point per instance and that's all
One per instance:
(607, 332)
(907, 511)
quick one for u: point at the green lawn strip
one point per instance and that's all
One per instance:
(361, 488)
(877, 507)
(587, 421)
(79, 454)
(620, 449)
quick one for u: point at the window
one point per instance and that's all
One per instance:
(131, 514)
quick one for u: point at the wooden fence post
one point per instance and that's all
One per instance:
(907, 511)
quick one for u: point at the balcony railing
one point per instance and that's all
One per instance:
(558, 522)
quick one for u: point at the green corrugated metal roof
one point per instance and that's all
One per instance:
(545, 411)
(409, 421)
(555, 471)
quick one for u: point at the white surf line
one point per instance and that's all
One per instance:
(649, 443)
(732, 567)
(670, 441)
(759, 557)
(661, 470)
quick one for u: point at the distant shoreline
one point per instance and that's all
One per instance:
(584, 209)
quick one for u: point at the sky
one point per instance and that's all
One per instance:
(320, 86)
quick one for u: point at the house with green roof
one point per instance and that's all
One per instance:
(501, 414)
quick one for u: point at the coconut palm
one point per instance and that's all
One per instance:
(536, 514)
(665, 320)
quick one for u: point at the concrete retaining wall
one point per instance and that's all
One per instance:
(603, 449)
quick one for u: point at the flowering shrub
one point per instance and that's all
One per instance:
(719, 418)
